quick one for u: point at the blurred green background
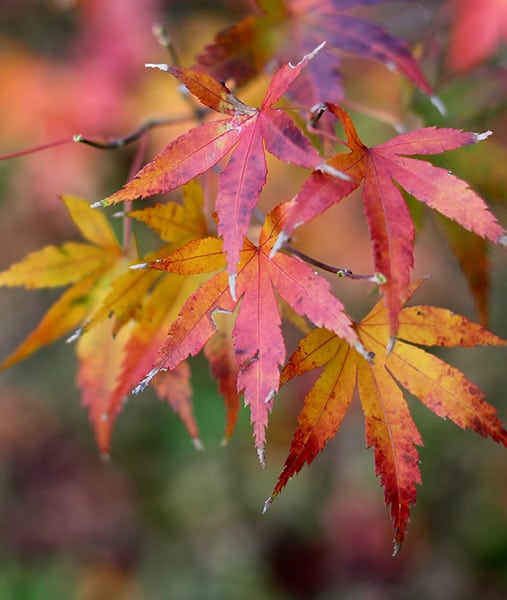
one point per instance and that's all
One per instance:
(161, 520)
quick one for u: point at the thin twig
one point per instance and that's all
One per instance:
(113, 143)
(377, 278)
(35, 149)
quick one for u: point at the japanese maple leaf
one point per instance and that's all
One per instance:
(381, 170)
(259, 347)
(479, 27)
(389, 425)
(89, 266)
(245, 131)
(146, 302)
(285, 29)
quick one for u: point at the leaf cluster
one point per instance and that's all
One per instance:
(225, 275)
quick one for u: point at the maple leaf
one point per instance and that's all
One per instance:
(382, 169)
(478, 30)
(287, 28)
(88, 266)
(389, 425)
(147, 302)
(247, 130)
(259, 347)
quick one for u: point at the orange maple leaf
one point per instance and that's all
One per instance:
(389, 425)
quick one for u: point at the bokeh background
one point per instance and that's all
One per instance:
(161, 520)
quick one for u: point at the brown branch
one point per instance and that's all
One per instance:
(377, 278)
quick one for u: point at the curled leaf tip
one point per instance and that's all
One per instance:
(390, 344)
(479, 137)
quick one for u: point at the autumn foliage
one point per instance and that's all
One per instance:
(226, 276)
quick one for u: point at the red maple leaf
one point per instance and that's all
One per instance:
(246, 130)
(382, 169)
(259, 347)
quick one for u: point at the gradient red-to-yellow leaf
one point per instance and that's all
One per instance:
(389, 426)
(158, 310)
(382, 168)
(219, 352)
(174, 386)
(325, 405)
(258, 342)
(282, 31)
(245, 132)
(100, 355)
(208, 90)
(393, 435)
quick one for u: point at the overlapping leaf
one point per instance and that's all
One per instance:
(389, 426)
(88, 266)
(382, 169)
(284, 29)
(259, 347)
(246, 131)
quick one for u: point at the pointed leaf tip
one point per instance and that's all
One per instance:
(267, 504)
(396, 548)
(309, 56)
(330, 170)
(161, 66)
(439, 105)
(232, 285)
(145, 382)
(502, 240)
